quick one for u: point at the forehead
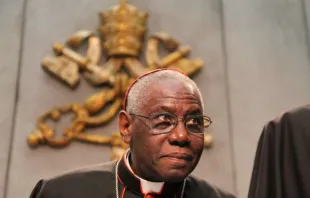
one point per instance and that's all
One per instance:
(173, 94)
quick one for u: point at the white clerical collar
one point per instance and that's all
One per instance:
(146, 186)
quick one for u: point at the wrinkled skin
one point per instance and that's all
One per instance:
(149, 152)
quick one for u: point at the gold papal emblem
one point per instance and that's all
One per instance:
(121, 39)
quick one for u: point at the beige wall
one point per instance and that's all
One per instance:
(257, 65)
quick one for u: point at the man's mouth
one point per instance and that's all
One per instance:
(179, 156)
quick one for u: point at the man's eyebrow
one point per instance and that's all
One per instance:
(194, 112)
(161, 109)
(164, 108)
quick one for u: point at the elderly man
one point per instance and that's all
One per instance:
(162, 121)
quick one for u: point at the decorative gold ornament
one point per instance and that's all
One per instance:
(122, 32)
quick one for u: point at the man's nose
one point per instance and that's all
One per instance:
(179, 136)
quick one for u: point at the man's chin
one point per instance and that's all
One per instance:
(175, 175)
(174, 171)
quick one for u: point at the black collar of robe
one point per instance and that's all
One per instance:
(131, 182)
(282, 162)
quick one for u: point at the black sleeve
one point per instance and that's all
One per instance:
(223, 194)
(37, 191)
(219, 193)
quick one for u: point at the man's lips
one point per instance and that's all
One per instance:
(179, 156)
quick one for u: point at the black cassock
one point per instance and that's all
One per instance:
(282, 162)
(99, 182)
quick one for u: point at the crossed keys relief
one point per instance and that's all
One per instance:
(121, 39)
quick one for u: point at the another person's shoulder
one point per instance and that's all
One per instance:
(86, 178)
(202, 187)
(295, 115)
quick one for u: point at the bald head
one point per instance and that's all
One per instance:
(141, 88)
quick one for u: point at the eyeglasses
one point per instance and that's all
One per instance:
(162, 123)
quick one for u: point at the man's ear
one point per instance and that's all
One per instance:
(124, 122)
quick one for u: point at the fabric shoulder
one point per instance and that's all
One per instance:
(102, 167)
(79, 181)
(85, 172)
(294, 115)
(206, 189)
(292, 120)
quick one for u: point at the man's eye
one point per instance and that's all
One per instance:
(195, 121)
(162, 121)
(162, 125)
(163, 117)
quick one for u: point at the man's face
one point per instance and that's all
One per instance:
(171, 156)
